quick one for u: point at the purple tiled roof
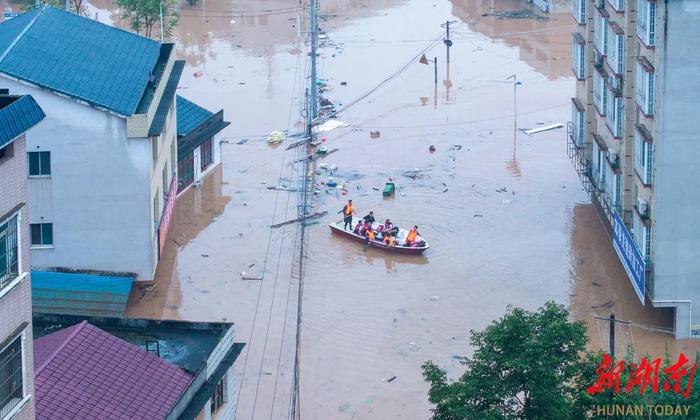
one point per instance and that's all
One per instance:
(82, 372)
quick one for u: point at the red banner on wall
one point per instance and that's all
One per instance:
(167, 216)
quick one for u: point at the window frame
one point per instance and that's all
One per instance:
(578, 61)
(206, 154)
(44, 163)
(16, 220)
(644, 88)
(578, 10)
(42, 233)
(18, 336)
(646, 22)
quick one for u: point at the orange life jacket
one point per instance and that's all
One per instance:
(348, 210)
(371, 235)
(412, 235)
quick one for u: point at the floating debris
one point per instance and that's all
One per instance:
(276, 137)
(374, 134)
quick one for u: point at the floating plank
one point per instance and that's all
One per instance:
(298, 143)
(543, 128)
(282, 189)
(300, 219)
(330, 125)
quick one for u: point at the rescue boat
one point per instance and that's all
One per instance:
(399, 248)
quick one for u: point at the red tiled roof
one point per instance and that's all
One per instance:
(83, 372)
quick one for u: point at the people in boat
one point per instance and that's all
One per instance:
(369, 218)
(368, 227)
(347, 211)
(358, 228)
(412, 236)
(371, 236)
(390, 229)
(380, 234)
(389, 240)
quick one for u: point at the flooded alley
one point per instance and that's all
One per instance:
(505, 214)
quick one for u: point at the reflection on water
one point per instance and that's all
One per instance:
(544, 45)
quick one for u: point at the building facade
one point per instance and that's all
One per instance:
(17, 115)
(631, 139)
(102, 168)
(198, 151)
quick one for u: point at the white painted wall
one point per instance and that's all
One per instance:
(98, 194)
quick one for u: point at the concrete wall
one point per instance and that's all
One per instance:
(16, 302)
(97, 196)
(677, 225)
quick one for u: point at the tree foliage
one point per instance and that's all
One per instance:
(533, 365)
(522, 368)
(144, 15)
(77, 6)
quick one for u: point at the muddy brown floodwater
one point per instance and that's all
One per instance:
(505, 215)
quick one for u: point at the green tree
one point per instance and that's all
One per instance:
(144, 15)
(525, 366)
(77, 6)
(532, 365)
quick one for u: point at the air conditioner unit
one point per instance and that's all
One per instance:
(613, 157)
(642, 205)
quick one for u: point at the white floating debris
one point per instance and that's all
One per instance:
(330, 125)
(544, 128)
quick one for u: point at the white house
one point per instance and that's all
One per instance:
(102, 166)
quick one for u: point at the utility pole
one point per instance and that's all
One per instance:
(612, 321)
(515, 104)
(447, 41)
(612, 336)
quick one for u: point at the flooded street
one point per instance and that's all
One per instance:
(504, 212)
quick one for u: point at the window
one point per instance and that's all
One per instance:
(643, 156)
(600, 31)
(173, 153)
(9, 251)
(154, 148)
(599, 163)
(600, 92)
(156, 209)
(11, 376)
(218, 398)
(646, 22)
(166, 184)
(42, 234)
(39, 163)
(578, 118)
(614, 115)
(612, 187)
(642, 236)
(618, 5)
(579, 56)
(644, 87)
(578, 8)
(206, 151)
(185, 171)
(616, 49)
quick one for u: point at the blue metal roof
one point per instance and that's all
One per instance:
(189, 116)
(79, 294)
(104, 66)
(17, 115)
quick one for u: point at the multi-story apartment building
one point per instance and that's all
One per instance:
(18, 114)
(102, 167)
(631, 139)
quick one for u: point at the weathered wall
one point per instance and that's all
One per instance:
(16, 304)
(676, 185)
(97, 196)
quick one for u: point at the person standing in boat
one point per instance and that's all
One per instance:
(369, 218)
(347, 211)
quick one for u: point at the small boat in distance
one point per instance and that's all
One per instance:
(399, 248)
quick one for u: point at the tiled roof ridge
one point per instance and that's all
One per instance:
(60, 347)
(21, 34)
(49, 6)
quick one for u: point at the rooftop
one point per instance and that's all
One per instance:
(84, 372)
(17, 115)
(189, 116)
(103, 66)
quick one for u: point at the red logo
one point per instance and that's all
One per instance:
(643, 375)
